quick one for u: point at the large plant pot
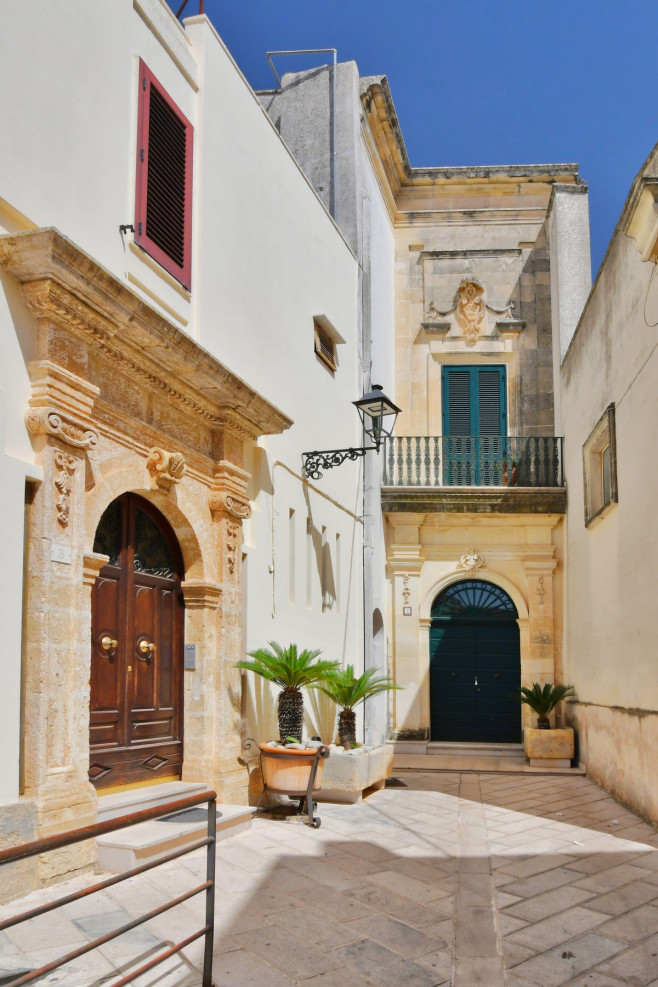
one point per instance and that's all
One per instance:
(288, 772)
(349, 774)
(549, 748)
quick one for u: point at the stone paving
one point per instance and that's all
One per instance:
(464, 879)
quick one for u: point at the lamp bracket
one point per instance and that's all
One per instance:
(314, 462)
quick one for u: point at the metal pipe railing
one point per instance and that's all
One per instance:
(99, 829)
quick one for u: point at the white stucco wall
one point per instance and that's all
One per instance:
(612, 576)
(266, 259)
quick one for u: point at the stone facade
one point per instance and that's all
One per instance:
(114, 386)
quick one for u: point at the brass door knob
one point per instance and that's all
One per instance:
(145, 646)
(108, 643)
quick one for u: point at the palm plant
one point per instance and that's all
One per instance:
(292, 670)
(542, 699)
(347, 691)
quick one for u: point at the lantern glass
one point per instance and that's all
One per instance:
(378, 414)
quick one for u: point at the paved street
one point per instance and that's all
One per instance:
(444, 878)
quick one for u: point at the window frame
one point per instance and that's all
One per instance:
(601, 438)
(182, 273)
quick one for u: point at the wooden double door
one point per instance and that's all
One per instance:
(136, 705)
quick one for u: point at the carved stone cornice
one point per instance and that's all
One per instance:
(66, 393)
(47, 421)
(65, 287)
(166, 469)
(201, 596)
(229, 492)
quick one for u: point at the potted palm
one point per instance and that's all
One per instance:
(546, 747)
(287, 763)
(347, 691)
(348, 775)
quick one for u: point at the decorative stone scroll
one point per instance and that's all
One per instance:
(222, 501)
(471, 561)
(166, 469)
(471, 317)
(64, 469)
(47, 421)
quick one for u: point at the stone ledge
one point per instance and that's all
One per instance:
(475, 500)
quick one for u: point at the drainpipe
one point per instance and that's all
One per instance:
(318, 51)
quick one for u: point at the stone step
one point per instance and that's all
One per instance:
(147, 841)
(456, 749)
(147, 797)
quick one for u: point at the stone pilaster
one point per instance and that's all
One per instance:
(411, 719)
(230, 507)
(540, 664)
(58, 615)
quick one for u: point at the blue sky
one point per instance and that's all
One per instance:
(478, 82)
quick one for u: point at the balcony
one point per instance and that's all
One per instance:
(503, 474)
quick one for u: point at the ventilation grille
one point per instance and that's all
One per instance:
(165, 202)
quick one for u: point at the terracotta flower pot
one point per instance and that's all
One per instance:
(287, 772)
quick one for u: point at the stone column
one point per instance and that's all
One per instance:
(540, 664)
(230, 507)
(58, 615)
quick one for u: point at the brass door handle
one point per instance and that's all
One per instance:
(146, 647)
(108, 643)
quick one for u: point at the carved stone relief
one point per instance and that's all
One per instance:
(471, 317)
(220, 500)
(47, 421)
(65, 467)
(166, 469)
(471, 561)
(232, 540)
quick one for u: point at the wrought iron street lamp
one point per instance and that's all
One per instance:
(378, 415)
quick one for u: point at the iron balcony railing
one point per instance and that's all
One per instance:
(99, 829)
(473, 461)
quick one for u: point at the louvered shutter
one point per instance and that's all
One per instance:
(474, 401)
(458, 405)
(489, 402)
(163, 201)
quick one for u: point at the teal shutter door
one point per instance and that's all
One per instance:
(474, 424)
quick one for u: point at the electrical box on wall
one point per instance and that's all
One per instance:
(189, 660)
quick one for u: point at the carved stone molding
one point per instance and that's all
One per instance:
(232, 542)
(201, 596)
(91, 567)
(471, 561)
(64, 469)
(166, 469)
(541, 591)
(406, 592)
(71, 295)
(222, 502)
(47, 421)
(229, 492)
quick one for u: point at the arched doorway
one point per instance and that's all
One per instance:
(136, 704)
(475, 665)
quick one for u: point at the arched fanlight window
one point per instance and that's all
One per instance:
(473, 599)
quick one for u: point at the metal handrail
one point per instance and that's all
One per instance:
(99, 829)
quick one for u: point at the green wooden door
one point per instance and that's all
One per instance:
(475, 665)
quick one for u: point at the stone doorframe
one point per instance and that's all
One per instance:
(124, 401)
(411, 566)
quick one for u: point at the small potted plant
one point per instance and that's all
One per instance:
(546, 747)
(287, 763)
(347, 691)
